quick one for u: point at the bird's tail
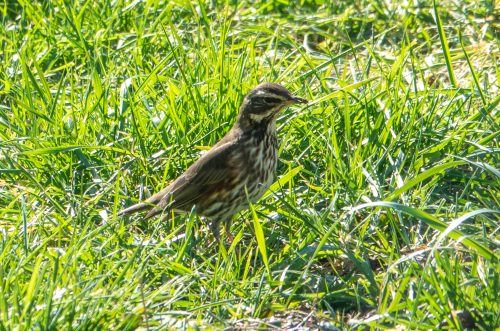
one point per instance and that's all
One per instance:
(154, 203)
(134, 209)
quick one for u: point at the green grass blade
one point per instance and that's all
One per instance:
(434, 223)
(423, 176)
(472, 71)
(261, 241)
(444, 46)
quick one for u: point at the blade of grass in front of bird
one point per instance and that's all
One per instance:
(283, 180)
(261, 242)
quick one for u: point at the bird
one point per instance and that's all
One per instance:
(235, 172)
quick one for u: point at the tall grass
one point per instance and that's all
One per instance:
(385, 210)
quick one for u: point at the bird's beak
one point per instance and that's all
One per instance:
(298, 100)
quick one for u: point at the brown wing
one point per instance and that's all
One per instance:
(203, 177)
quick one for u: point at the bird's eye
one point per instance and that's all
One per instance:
(269, 100)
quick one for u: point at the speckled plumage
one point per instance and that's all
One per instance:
(238, 169)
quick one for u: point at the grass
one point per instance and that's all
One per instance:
(385, 210)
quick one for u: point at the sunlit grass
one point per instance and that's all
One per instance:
(385, 210)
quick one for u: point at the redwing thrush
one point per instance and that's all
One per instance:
(238, 169)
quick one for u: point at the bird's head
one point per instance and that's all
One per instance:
(264, 102)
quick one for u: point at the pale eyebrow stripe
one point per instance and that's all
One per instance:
(270, 94)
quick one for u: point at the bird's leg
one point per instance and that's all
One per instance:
(227, 229)
(214, 226)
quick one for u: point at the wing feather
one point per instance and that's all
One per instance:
(204, 176)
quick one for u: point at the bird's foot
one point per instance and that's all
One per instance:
(227, 230)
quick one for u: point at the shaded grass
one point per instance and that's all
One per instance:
(385, 210)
